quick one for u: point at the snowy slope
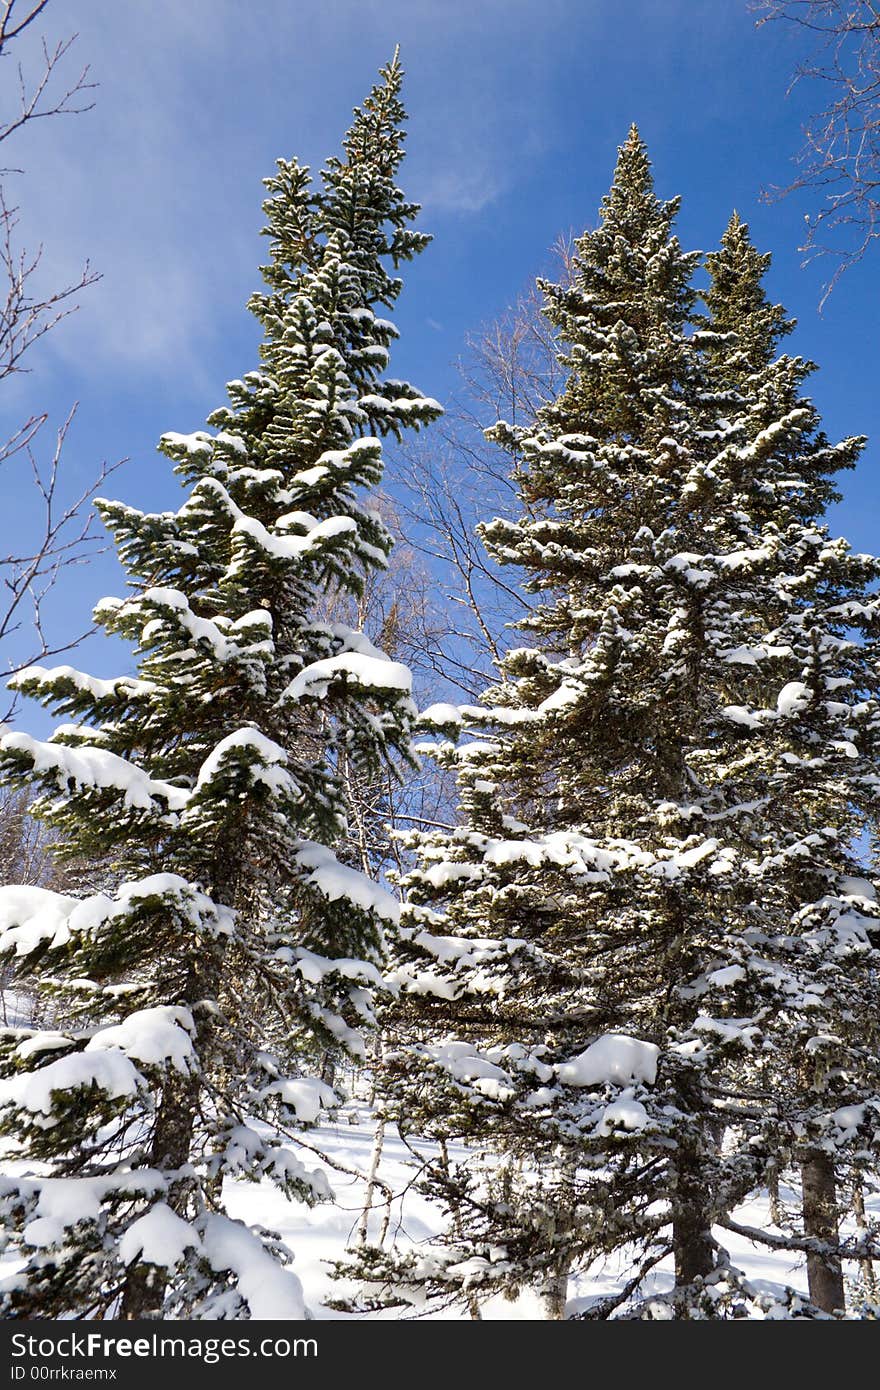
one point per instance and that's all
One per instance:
(320, 1235)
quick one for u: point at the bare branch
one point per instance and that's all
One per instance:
(864, 1248)
(840, 159)
(10, 25)
(511, 368)
(66, 536)
(58, 529)
(25, 318)
(37, 99)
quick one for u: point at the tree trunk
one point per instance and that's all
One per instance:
(869, 1278)
(328, 1069)
(776, 1212)
(556, 1297)
(376, 1159)
(144, 1291)
(694, 1246)
(824, 1272)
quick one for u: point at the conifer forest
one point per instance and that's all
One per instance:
(464, 903)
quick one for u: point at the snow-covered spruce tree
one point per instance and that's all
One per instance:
(651, 921)
(822, 784)
(209, 787)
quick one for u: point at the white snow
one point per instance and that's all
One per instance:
(793, 698)
(441, 713)
(282, 547)
(463, 1062)
(728, 975)
(319, 1235)
(465, 950)
(625, 1113)
(849, 1117)
(30, 915)
(742, 1031)
(400, 405)
(563, 698)
(92, 685)
(269, 753)
(857, 888)
(307, 477)
(111, 1072)
(152, 1036)
(341, 459)
(232, 441)
(687, 566)
(306, 1095)
(62, 1202)
(270, 1292)
(337, 880)
(227, 640)
(199, 442)
(249, 1153)
(441, 875)
(738, 714)
(98, 768)
(160, 1237)
(613, 1058)
(42, 1042)
(315, 968)
(369, 672)
(477, 748)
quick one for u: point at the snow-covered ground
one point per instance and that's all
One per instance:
(320, 1235)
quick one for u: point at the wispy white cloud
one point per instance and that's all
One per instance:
(460, 190)
(159, 186)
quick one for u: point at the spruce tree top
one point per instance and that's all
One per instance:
(737, 301)
(653, 920)
(232, 947)
(619, 318)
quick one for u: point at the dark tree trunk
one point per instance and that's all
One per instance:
(776, 1213)
(694, 1246)
(143, 1294)
(824, 1272)
(145, 1286)
(556, 1297)
(869, 1278)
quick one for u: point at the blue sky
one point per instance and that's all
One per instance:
(516, 111)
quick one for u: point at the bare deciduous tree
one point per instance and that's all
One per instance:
(56, 528)
(25, 858)
(840, 158)
(62, 534)
(510, 368)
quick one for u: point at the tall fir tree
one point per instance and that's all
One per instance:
(625, 972)
(832, 627)
(232, 945)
